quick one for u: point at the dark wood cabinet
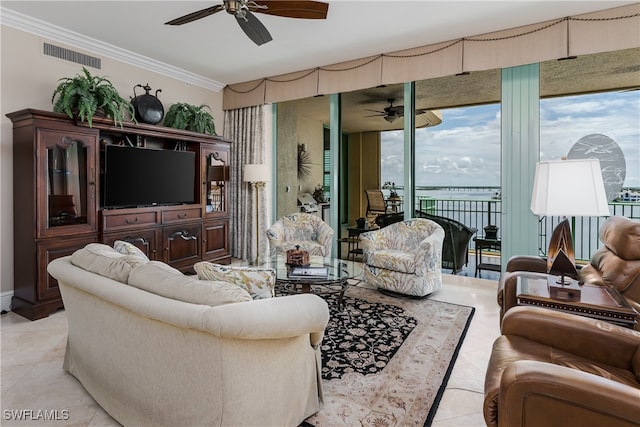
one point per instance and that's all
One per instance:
(55, 204)
(182, 245)
(146, 240)
(215, 239)
(57, 172)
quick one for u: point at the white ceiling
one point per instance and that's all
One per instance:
(216, 49)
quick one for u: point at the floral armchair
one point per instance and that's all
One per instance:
(308, 231)
(405, 257)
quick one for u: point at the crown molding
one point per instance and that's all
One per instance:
(49, 31)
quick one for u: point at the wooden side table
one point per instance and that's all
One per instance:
(597, 302)
(484, 243)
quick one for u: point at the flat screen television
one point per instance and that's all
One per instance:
(136, 176)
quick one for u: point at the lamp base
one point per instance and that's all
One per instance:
(564, 288)
(561, 260)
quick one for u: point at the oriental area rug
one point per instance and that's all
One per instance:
(386, 360)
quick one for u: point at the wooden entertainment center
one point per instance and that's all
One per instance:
(58, 168)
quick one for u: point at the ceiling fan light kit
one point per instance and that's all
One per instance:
(243, 10)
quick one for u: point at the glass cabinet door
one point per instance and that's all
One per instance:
(67, 181)
(216, 176)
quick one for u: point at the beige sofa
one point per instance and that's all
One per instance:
(157, 348)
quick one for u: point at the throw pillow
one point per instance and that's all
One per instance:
(258, 281)
(129, 249)
(105, 261)
(154, 277)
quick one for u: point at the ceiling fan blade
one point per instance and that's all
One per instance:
(293, 8)
(375, 111)
(194, 16)
(254, 29)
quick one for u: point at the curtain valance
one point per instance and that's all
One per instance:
(603, 31)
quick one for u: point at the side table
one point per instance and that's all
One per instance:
(353, 241)
(597, 302)
(484, 243)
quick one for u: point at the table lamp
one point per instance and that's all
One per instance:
(257, 175)
(567, 188)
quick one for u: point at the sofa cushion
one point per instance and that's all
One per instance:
(258, 281)
(106, 261)
(127, 248)
(158, 278)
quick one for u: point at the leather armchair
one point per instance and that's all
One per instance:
(616, 264)
(553, 368)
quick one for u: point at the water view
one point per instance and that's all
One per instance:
(458, 165)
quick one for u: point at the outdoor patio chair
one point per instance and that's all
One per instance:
(376, 204)
(455, 254)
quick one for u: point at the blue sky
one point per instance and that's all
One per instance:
(465, 148)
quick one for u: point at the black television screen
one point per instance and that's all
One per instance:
(145, 177)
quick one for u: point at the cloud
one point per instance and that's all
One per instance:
(465, 149)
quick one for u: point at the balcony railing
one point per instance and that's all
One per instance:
(478, 213)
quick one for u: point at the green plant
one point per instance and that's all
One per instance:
(318, 194)
(190, 117)
(83, 96)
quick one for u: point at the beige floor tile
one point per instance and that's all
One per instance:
(11, 374)
(460, 407)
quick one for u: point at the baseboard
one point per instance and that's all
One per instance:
(5, 300)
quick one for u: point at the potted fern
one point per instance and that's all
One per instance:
(84, 96)
(190, 117)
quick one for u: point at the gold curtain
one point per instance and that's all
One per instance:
(603, 31)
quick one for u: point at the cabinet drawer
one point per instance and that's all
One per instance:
(181, 214)
(128, 220)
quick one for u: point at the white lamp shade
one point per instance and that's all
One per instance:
(256, 173)
(569, 188)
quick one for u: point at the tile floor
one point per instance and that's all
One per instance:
(32, 354)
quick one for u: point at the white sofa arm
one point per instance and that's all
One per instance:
(280, 317)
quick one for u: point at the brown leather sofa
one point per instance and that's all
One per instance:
(616, 264)
(555, 369)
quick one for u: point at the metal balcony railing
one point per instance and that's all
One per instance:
(479, 213)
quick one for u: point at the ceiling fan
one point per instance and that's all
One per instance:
(392, 112)
(243, 11)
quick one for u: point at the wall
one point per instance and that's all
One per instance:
(28, 78)
(364, 171)
(294, 128)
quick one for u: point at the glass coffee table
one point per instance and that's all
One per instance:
(338, 273)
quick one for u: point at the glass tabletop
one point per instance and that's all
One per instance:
(338, 270)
